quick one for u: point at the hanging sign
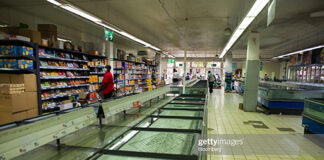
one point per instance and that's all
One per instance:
(109, 36)
(171, 60)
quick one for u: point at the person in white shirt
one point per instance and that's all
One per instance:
(175, 76)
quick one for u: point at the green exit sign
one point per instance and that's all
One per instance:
(214, 65)
(109, 36)
(171, 60)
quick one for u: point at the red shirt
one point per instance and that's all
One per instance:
(108, 79)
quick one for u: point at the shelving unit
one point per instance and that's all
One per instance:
(35, 58)
(65, 74)
(132, 77)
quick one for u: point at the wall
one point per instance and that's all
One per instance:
(268, 68)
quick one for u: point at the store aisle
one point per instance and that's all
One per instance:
(224, 117)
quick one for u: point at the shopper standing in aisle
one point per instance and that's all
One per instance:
(107, 85)
(211, 81)
(175, 76)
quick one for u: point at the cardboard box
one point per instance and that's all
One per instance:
(47, 27)
(29, 81)
(9, 30)
(19, 116)
(8, 117)
(35, 36)
(32, 100)
(32, 113)
(11, 88)
(47, 30)
(4, 78)
(13, 102)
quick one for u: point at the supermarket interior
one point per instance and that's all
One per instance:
(162, 79)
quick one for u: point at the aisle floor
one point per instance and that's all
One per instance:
(224, 117)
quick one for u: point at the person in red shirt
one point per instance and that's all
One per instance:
(107, 85)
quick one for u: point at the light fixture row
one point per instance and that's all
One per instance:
(248, 19)
(298, 52)
(100, 22)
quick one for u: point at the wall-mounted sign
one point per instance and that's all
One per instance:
(180, 64)
(261, 66)
(171, 60)
(233, 66)
(109, 36)
(214, 65)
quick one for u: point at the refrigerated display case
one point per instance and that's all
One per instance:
(313, 116)
(286, 98)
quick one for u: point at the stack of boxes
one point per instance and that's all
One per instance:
(18, 97)
(48, 33)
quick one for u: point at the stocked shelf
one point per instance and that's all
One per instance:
(61, 68)
(72, 52)
(60, 96)
(65, 87)
(97, 66)
(17, 57)
(96, 73)
(13, 70)
(82, 77)
(16, 42)
(94, 82)
(63, 59)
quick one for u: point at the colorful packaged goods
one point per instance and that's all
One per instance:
(11, 50)
(17, 63)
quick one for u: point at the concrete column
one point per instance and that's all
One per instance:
(252, 73)
(228, 62)
(184, 72)
(228, 72)
(111, 56)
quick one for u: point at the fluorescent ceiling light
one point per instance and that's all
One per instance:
(64, 40)
(253, 12)
(80, 13)
(54, 2)
(100, 22)
(299, 51)
(106, 26)
(155, 48)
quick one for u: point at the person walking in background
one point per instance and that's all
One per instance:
(175, 76)
(211, 81)
(107, 85)
(188, 76)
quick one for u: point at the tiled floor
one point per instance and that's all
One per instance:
(224, 117)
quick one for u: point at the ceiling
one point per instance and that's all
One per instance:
(162, 23)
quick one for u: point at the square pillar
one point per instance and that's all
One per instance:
(250, 97)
